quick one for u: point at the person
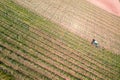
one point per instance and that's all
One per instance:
(94, 42)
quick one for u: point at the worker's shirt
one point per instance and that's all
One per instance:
(96, 42)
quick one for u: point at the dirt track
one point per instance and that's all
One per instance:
(82, 18)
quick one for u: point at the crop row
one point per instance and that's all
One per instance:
(28, 67)
(11, 41)
(26, 16)
(115, 33)
(29, 17)
(27, 49)
(16, 73)
(38, 41)
(5, 75)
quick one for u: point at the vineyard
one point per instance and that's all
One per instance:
(34, 48)
(80, 17)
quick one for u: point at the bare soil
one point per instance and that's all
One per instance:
(112, 6)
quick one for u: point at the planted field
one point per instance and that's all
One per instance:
(34, 48)
(82, 18)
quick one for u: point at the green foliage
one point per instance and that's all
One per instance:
(4, 75)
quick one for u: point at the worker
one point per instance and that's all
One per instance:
(94, 42)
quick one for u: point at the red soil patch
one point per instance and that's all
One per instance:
(112, 6)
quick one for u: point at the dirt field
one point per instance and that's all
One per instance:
(82, 18)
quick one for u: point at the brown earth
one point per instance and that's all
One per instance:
(82, 18)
